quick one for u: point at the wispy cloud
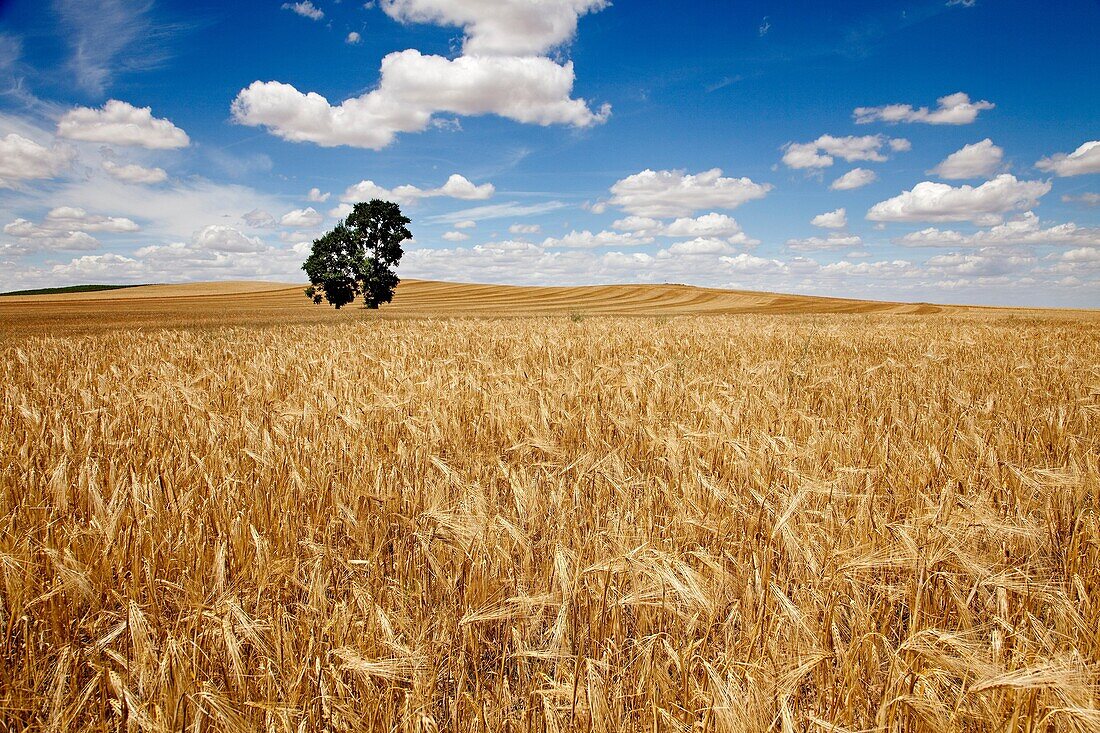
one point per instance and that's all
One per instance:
(497, 211)
(111, 37)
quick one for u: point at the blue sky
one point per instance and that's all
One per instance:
(935, 151)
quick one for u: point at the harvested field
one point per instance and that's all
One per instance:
(266, 303)
(244, 512)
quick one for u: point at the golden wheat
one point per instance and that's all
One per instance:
(725, 523)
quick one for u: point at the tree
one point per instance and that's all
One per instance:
(358, 256)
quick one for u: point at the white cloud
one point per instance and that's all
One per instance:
(979, 160)
(1085, 159)
(834, 240)
(1082, 254)
(588, 240)
(700, 246)
(981, 264)
(455, 236)
(412, 88)
(259, 219)
(837, 219)
(306, 9)
(65, 228)
(35, 239)
(316, 196)
(712, 225)
(221, 238)
(746, 264)
(465, 224)
(77, 219)
(341, 211)
(1088, 199)
(23, 159)
(983, 205)
(707, 225)
(509, 210)
(820, 153)
(302, 218)
(638, 224)
(456, 187)
(881, 268)
(855, 178)
(169, 212)
(668, 193)
(353, 38)
(121, 123)
(953, 109)
(1023, 230)
(133, 173)
(500, 27)
(523, 229)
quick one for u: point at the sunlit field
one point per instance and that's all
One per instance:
(568, 519)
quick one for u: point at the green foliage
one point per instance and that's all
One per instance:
(69, 289)
(358, 256)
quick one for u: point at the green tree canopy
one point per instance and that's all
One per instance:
(359, 256)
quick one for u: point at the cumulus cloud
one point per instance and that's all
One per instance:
(522, 228)
(983, 205)
(1023, 230)
(316, 196)
(302, 218)
(306, 9)
(588, 240)
(1085, 159)
(353, 38)
(1081, 254)
(412, 88)
(502, 27)
(465, 224)
(178, 262)
(837, 219)
(953, 109)
(820, 153)
(121, 123)
(69, 219)
(259, 219)
(855, 178)
(982, 263)
(707, 225)
(23, 159)
(43, 239)
(746, 264)
(133, 173)
(64, 228)
(455, 236)
(712, 225)
(834, 240)
(978, 160)
(700, 246)
(456, 187)
(670, 193)
(220, 238)
(75, 218)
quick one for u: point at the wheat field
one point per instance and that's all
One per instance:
(789, 520)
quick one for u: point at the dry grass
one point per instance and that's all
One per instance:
(740, 522)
